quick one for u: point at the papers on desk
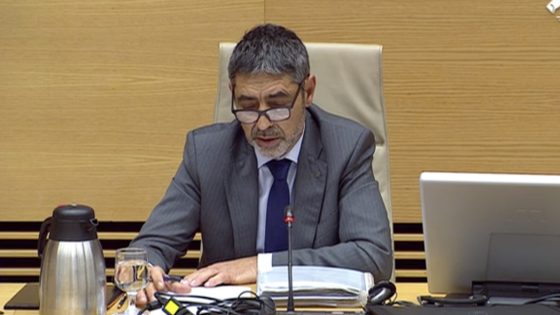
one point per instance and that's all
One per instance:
(220, 293)
(315, 285)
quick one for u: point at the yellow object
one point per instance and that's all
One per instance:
(171, 307)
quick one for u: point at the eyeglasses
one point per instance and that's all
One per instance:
(274, 114)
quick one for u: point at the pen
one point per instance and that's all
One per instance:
(172, 278)
(121, 302)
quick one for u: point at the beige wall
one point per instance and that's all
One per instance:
(96, 97)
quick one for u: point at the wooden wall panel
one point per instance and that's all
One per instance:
(469, 86)
(96, 98)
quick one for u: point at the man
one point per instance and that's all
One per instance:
(236, 179)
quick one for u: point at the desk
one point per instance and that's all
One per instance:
(7, 290)
(406, 291)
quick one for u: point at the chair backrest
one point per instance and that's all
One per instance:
(349, 84)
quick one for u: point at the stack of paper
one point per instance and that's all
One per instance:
(314, 285)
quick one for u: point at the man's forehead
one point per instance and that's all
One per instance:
(262, 79)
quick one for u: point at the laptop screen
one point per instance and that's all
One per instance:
(490, 227)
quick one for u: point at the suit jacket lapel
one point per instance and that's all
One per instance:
(242, 191)
(309, 186)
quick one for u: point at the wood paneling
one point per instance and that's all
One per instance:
(21, 262)
(96, 98)
(469, 86)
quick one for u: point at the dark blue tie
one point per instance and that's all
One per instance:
(276, 233)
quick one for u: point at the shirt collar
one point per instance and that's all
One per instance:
(292, 155)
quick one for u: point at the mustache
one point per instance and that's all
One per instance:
(272, 132)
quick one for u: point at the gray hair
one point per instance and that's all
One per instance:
(270, 49)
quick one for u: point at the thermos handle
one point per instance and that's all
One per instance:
(93, 223)
(45, 227)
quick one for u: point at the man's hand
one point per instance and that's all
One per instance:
(158, 284)
(239, 271)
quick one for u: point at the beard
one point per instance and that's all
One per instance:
(285, 141)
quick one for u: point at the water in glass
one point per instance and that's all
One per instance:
(131, 274)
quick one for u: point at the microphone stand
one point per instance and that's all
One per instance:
(289, 219)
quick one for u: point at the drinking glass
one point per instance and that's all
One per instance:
(131, 274)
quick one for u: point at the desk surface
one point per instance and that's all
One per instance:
(406, 291)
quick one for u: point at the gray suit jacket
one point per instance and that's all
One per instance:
(340, 218)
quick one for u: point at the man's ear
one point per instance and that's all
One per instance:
(309, 88)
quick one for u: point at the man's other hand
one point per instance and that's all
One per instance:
(239, 271)
(158, 284)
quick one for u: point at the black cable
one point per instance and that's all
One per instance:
(151, 306)
(544, 298)
(212, 308)
(234, 306)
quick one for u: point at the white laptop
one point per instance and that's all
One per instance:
(490, 227)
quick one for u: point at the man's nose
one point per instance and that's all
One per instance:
(263, 122)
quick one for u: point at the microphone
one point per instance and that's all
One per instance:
(289, 219)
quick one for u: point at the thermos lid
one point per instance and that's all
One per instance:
(73, 223)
